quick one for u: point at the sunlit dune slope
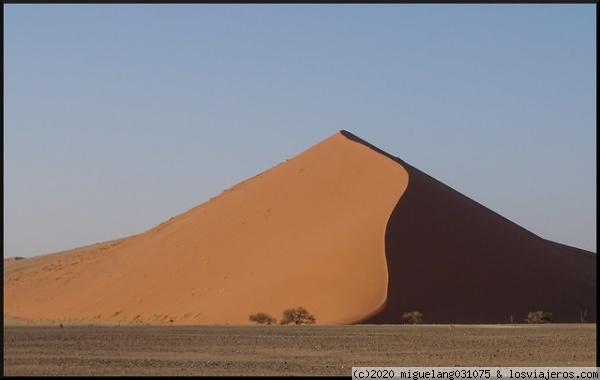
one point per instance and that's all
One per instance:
(309, 232)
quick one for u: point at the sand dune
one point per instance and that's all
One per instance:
(344, 229)
(308, 232)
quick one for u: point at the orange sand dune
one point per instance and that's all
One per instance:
(308, 232)
(343, 229)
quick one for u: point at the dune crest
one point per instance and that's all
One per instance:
(308, 232)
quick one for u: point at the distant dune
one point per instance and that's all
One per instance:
(12, 259)
(344, 229)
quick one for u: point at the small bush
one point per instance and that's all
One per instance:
(414, 317)
(298, 316)
(262, 319)
(539, 316)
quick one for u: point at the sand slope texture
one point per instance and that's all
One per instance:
(344, 229)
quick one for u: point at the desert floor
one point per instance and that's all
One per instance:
(288, 350)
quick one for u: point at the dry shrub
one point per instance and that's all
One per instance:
(539, 316)
(298, 316)
(414, 317)
(262, 319)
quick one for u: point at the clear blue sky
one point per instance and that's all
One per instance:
(118, 117)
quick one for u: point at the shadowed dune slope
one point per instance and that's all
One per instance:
(459, 262)
(309, 232)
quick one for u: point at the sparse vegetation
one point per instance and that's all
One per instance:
(582, 315)
(539, 316)
(298, 316)
(414, 317)
(262, 319)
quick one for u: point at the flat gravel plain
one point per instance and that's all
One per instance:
(76, 350)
